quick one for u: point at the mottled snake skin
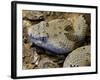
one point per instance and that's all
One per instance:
(58, 35)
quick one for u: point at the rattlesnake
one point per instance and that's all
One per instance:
(58, 35)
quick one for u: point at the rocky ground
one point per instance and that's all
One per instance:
(35, 57)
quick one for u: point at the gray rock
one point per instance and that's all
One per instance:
(79, 57)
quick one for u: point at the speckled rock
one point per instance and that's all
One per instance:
(32, 15)
(59, 35)
(79, 57)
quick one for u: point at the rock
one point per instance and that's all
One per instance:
(32, 15)
(53, 15)
(28, 66)
(26, 50)
(30, 57)
(59, 35)
(26, 23)
(79, 57)
(47, 63)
